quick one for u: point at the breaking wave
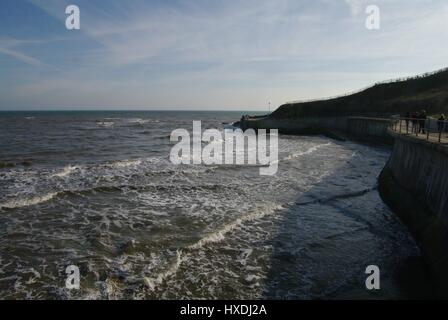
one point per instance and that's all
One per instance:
(20, 203)
(214, 237)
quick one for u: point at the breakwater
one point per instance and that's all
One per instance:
(358, 128)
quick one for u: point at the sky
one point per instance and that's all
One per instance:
(209, 54)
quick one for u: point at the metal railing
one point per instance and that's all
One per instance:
(430, 129)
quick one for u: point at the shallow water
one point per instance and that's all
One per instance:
(101, 194)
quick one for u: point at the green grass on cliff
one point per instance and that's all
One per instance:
(428, 92)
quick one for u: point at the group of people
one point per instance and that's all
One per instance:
(418, 120)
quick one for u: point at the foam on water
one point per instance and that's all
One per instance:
(105, 123)
(66, 171)
(307, 152)
(139, 121)
(20, 203)
(126, 163)
(214, 237)
(139, 227)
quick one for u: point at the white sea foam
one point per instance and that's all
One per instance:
(126, 163)
(251, 278)
(105, 123)
(66, 171)
(153, 282)
(20, 203)
(306, 152)
(214, 237)
(138, 120)
(244, 256)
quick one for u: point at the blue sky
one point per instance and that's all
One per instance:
(209, 54)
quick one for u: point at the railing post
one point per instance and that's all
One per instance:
(427, 128)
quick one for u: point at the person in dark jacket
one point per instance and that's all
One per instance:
(415, 122)
(408, 117)
(441, 123)
(422, 121)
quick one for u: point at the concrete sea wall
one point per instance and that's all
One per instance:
(296, 126)
(414, 184)
(371, 127)
(364, 128)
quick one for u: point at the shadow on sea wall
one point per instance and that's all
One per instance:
(333, 232)
(414, 184)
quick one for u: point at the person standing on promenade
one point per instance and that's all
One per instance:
(441, 123)
(408, 116)
(422, 121)
(415, 122)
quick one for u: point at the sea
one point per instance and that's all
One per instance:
(97, 190)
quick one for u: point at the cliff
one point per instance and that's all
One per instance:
(429, 92)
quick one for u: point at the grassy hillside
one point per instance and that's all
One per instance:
(429, 92)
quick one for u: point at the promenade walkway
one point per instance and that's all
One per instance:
(412, 127)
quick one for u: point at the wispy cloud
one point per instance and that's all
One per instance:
(21, 57)
(9, 46)
(140, 52)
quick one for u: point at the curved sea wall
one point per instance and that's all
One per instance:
(370, 127)
(414, 184)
